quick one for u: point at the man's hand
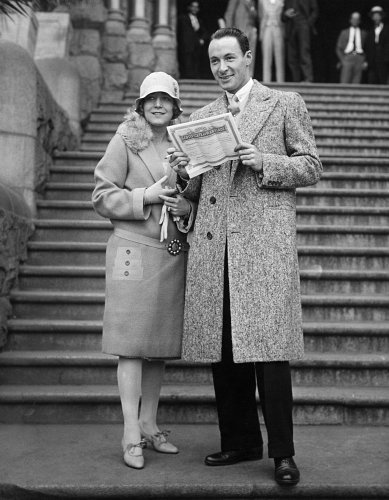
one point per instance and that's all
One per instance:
(290, 13)
(178, 162)
(153, 193)
(177, 206)
(250, 156)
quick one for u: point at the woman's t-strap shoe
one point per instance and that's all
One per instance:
(131, 458)
(159, 442)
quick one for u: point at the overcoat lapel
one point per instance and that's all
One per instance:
(259, 107)
(152, 161)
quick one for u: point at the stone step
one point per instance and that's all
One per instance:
(306, 214)
(92, 253)
(303, 88)
(82, 191)
(326, 128)
(45, 334)
(100, 230)
(332, 163)
(338, 141)
(95, 368)
(78, 278)
(345, 180)
(320, 115)
(100, 404)
(90, 305)
(204, 95)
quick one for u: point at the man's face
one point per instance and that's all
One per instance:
(377, 17)
(229, 66)
(194, 8)
(355, 19)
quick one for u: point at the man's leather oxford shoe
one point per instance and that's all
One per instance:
(233, 456)
(286, 472)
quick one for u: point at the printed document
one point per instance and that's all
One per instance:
(207, 142)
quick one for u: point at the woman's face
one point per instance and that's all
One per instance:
(158, 109)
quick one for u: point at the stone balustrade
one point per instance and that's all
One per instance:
(15, 229)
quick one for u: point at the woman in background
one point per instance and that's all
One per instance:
(145, 260)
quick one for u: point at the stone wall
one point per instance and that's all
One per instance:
(32, 124)
(15, 229)
(88, 19)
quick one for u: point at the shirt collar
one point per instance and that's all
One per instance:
(242, 93)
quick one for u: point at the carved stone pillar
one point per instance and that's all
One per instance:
(141, 54)
(114, 53)
(164, 41)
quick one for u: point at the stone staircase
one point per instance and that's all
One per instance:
(52, 370)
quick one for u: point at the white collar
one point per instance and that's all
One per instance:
(242, 93)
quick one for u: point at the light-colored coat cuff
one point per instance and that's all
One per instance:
(141, 212)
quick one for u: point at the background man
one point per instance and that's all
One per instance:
(350, 51)
(243, 309)
(243, 14)
(190, 42)
(300, 17)
(377, 48)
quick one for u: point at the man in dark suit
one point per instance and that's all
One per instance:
(377, 48)
(300, 17)
(191, 42)
(350, 51)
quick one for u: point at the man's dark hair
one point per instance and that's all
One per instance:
(234, 33)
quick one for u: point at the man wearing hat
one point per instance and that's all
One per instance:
(349, 49)
(377, 48)
(242, 302)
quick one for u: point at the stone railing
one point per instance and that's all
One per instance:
(15, 229)
(32, 127)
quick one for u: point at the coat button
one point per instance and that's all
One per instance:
(126, 273)
(209, 236)
(128, 252)
(127, 263)
(212, 200)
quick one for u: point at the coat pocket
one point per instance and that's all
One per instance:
(128, 264)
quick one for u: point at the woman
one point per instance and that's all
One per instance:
(145, 260)
(272, 39)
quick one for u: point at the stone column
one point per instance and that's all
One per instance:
(141, 54)
(51, 57)
(164, 41)
(114, 54)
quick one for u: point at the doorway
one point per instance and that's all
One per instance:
(333, 17)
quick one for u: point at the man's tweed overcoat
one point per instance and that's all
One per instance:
(256, 215)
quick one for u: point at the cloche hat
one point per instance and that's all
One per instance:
(159, 82)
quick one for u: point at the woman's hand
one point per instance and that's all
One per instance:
(178, 162)
(250, 156)
(177, 206)
(153, 193)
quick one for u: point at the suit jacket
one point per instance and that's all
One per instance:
(256, 214)
(188, 40)
(378, 52)
(308, 11)
(342, 42)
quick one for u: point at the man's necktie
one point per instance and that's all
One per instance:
(355, 40)
(234, 107)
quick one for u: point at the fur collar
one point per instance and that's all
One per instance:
(135, 131)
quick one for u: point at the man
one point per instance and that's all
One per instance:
(243, 310)
(243, 14)
(300, 17)
(349, 49)
(377, 48)
(190, 42)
